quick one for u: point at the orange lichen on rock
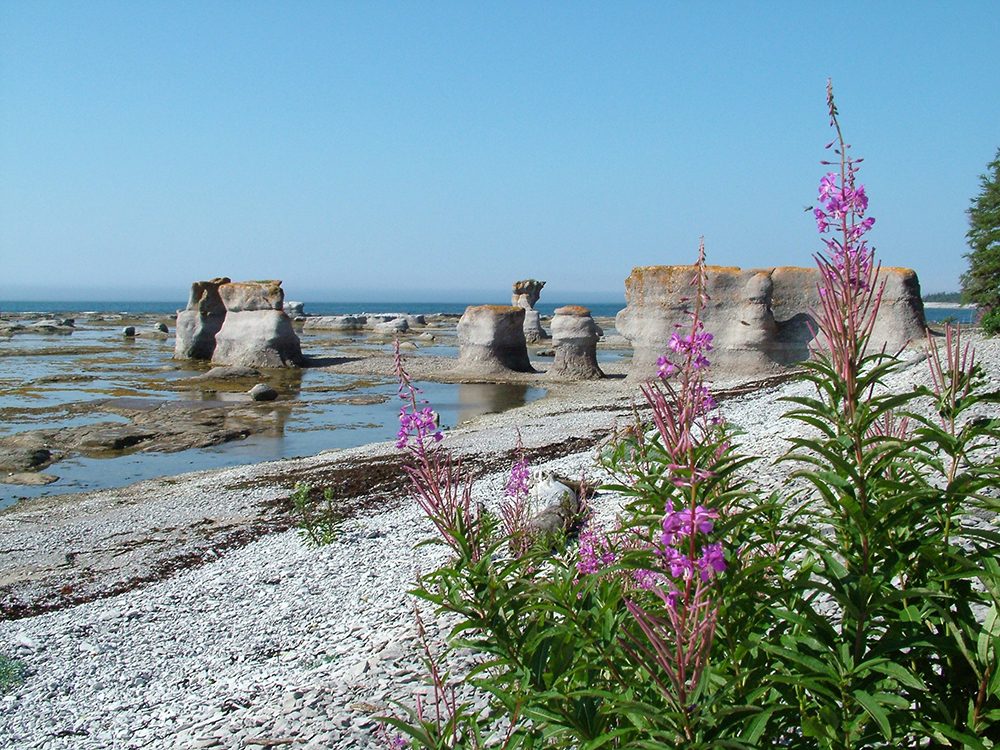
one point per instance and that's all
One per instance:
(498, 309)
(577, 311)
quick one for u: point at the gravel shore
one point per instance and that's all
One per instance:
(185, 612)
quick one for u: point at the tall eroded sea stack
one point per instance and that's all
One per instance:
(762, 319)
(237, 323)
(525, 294)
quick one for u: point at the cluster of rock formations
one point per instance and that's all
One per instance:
(761, 319)
(237, 323)
(493, 338)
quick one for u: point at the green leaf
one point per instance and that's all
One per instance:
(901, 673)
(988, 636)
(874, 710)
(948, 732)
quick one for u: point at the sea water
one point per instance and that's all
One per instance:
(54, 381)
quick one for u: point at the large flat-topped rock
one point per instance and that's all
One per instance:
(491, 339)
(257, 338)
(762, 319)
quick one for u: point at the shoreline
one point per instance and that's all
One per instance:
(62, 550)
(957, 305)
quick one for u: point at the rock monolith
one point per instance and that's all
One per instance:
(491, 339)
(256, 331)
(575, 335)
(198, 323)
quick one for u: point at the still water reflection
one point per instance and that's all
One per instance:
(314, 422)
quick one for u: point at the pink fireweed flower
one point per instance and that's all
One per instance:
(595, 552)
(696, 343)
(704, 398)
(441, 487)
(678, 524)
(417, 424)
(822, 221)
(827, 186)
(665, 368)
(647, 579)
(712, 561)
(842, 208)
(675, 544)
(679, 564)
(520, 475)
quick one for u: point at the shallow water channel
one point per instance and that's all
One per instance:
(50, 381)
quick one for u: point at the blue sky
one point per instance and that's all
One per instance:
(445, 149)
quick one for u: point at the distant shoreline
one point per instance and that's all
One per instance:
(169, 309)
(960, 306)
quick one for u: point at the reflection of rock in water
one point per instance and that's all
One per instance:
(487, 398)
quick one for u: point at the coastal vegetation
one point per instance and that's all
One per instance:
(950, 297)
(317, 516)
(855, 607)
(12, 673)
(981, 283)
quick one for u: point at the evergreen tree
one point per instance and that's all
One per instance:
(981, 283)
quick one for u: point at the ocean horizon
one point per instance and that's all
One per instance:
(169, 308)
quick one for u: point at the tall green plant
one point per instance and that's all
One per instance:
(882, 651)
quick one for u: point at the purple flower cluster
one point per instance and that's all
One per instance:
(704, 399)
(520, 474)
(695, 344)
(691, 348)
(647, 580)
(676, 545)
(843, 205)
(595, 552)
(838, 203)
(678, 524)
(417, 424)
